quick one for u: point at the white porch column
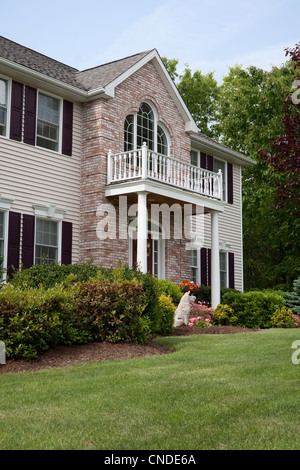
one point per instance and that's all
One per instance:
(142, 233)
(215, 260)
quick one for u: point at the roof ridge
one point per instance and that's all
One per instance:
(117, 60)
(39, 53)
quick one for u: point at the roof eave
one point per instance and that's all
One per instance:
(221, 151)
(38, 79)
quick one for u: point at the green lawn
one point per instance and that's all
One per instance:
(236, 391)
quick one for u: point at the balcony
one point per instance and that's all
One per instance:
(144, 164)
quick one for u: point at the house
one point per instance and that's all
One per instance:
(107, 164)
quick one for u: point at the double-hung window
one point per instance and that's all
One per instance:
(46, 241)
(3, 106)
(48, 122)
(223, 269)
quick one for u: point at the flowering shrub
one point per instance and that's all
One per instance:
(283, 318)
(201, 308)
(200, 322)
(187, 286)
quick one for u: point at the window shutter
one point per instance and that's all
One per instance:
(210, 163)
(28, 241)
(66, 243)
(229, 183)
(204, 266)
(16, 111)
(67, 128)
(30, 115)
(203, 160)
(209, 267)
(13, 251)
(231, 269)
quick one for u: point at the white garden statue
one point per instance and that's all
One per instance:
(183, 310)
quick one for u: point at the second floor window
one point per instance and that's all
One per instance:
(48, 122)
(144, 127)
(3, 106)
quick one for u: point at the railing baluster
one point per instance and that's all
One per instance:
(147, 164)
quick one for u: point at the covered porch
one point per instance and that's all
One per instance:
(150, 179)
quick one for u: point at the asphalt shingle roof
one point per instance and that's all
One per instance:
(97, 77)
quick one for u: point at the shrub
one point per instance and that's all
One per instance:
(166, 324)
(254, 309)
(31, 319)
(292, 299)
(200, 322)
(48, 275)
(112, 311)
(201, 309)
(203, 293)
(283, 318)
(224, 315)
(171, 289)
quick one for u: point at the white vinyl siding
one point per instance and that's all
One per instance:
(230, 228)
(30, 175)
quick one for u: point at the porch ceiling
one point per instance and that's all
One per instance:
(159, 192)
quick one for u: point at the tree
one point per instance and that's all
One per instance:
(199, 92)
(284, 159)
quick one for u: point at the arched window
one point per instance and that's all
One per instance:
(143, 127)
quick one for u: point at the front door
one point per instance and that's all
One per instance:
(150, 245)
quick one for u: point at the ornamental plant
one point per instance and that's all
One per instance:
(224, 315)
(200, 322)
(283, 318)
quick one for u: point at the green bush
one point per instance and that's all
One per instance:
(171, 289)
(112, 311)
(254, 309)
(48, 275)
(224, 315)
(167, 308)
(283, 318)
(31, 319)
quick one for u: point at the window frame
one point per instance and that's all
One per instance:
(58, 235)
(59, 125)
(196, 157)
(156, 125)
(8, 105)
(226, 271)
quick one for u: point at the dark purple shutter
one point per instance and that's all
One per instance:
(210, 163)
(30, 115)
(209, 267)
(231, 269)
(67, 128)
(28, 241)
(13, 251)
(203, 160)
(204, 266)
(16, 111)
(229, 183)
(66, 243)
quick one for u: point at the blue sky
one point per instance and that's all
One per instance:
(208, 35)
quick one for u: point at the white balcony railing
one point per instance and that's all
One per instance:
(146, 164)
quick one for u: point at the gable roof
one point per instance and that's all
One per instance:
(32, 60)
(103, 75)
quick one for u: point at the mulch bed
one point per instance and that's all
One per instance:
(61, 356)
